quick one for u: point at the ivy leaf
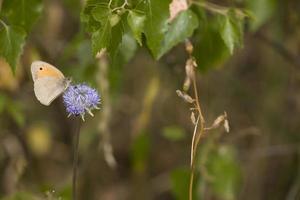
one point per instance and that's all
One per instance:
(231, 30)
(12, 40)
(181, 28)
(23, 13)
(157, 14)
(136, 23)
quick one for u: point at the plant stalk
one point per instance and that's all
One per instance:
(75, 157)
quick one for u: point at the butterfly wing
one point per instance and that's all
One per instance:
(49, 82)
(47, 89)
(40, 69)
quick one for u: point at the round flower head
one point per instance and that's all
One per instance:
(79, 99)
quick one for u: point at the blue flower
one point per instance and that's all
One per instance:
(79, 99)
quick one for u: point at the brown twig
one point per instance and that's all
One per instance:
(190, 81)
(191, 77)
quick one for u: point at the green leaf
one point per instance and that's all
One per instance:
(109, 35)
(136, 22)
(114, 20)
(181, 28)
(12, 40)
(157, 14)
(117, 33)
(224, 168)
(210, 50)
(90, 24)
(126, 51)
(101, 13)
(128, 47)
(23, 13)
(173, 133)
(262, 10)
(160, 35)
(231, 30)
(101, 38)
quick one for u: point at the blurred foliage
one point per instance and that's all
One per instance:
(262, 10)
(223, 167)
(17, 19)
(140, 152)
(173, 133)
(180, 179)
(250, 76)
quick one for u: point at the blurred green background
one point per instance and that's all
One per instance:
(142, 122)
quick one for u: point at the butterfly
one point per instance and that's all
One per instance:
(49, 82)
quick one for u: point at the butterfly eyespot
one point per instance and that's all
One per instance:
(41, 68)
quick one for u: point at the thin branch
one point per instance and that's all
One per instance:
(197, 132)
(193, 140)
(214, 8)
(280, 49)
(202, 121)
(4, 25)
(121, 7)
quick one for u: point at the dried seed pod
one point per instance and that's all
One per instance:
(226, 126)
(187, 98)
(195, 63)
(226, 123)
(186, 84)
(193, 118)
(218, 121)
(189, 69)
(189, 47)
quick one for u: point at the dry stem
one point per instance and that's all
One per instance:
(75, 158)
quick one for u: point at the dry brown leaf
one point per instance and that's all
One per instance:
(189, 69)
(176, 6)
(218, 121)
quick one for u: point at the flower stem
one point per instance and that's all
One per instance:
(75, 157)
